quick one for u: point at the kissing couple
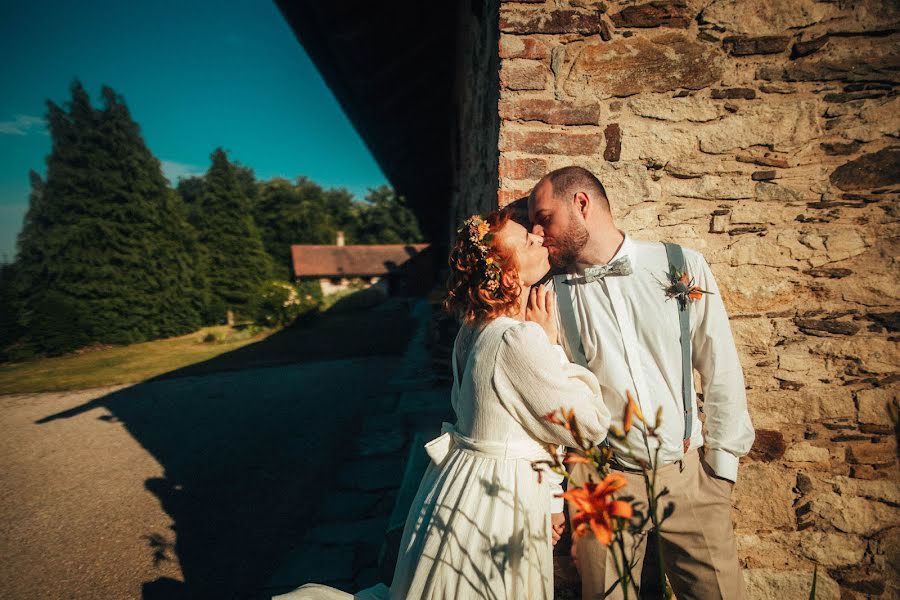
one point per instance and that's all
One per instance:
(604, 327)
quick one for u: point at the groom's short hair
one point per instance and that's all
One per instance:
(568, 181)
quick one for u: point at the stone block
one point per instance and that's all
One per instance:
(627, 183)
(524, 74)
(663, 13)
(791, 550)
(765, 191)
(522, 168)
(746, 46)
(613, 136)
(806, 452)
(711, 187)
(840, 148)
(733, 94)
(768, 551)
(689, 108)
(842, 59)
(764, 17)
(826, 326)
(881, 490)
(766, 584)
(772, 510)
(874, 170)
(627, 66)
(552, 112)
(514, 19)
(769, 445)
(844, 243)
(658, 142)
(882, 453)
(770, 286)
(807, 47)
(781, 126)
(854, 515)
(566, 143)
(517, 46)
(830, 549)
(873, 404)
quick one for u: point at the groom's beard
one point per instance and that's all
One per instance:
(567, 248)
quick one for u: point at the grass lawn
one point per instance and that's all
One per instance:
(327, 337)
(115, 365)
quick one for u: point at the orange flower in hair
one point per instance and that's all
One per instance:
(479, 235)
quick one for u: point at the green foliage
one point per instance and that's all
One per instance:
(221, 212)
(306, 213)
(11, 331)
(110, 254)
(279, 303)
(105, 254)
(387, 220)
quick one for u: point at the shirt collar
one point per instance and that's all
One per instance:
(627, 248)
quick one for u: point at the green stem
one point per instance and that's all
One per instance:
(619, 572)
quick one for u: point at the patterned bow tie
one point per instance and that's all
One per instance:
(620, 266)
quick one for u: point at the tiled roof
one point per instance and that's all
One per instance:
(351, 261)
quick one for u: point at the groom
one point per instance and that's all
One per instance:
(620, 316)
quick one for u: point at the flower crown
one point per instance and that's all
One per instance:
(479, 235)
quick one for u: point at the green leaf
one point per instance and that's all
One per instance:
(812, 592)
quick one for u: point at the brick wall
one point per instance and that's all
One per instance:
(764, 134)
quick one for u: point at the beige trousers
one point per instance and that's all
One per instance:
(697, 539)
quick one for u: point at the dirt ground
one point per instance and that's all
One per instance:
(191, 487)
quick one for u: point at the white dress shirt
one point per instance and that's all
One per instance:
(630, 334)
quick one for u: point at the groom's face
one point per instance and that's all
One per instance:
(557, 220)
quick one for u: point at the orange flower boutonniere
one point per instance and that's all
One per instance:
(681, 287)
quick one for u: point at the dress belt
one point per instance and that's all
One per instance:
(451, 439)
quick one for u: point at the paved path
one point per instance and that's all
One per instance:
(186, 488)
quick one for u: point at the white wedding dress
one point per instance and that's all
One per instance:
(479, 526)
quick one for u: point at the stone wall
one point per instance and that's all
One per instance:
(474, 152)
(764, 134)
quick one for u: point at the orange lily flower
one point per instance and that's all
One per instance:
(695, 293)
(595, 509)
(632, 410)
(573, 458)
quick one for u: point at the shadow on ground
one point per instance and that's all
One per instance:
(247, 441)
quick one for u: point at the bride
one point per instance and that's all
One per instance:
(480, 525)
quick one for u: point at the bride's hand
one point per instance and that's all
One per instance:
(540, 309)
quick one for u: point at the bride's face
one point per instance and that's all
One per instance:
(528, 250)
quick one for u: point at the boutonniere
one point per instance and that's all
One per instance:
(681, 287)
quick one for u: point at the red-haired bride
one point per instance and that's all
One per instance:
(480, 525)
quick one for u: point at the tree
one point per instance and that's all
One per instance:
(222, 215)
(385, 219)
(105, 254)
(292, 214)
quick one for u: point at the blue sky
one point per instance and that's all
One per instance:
(195, 75)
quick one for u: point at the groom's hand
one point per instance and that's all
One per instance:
(558, 520)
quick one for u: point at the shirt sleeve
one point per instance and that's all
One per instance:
(729, 430)
(533, 378)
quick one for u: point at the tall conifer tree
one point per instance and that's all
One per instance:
(106, 254)
(222, 214)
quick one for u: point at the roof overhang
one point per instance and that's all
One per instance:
(391, 67)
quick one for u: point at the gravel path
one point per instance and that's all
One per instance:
(180, 488)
